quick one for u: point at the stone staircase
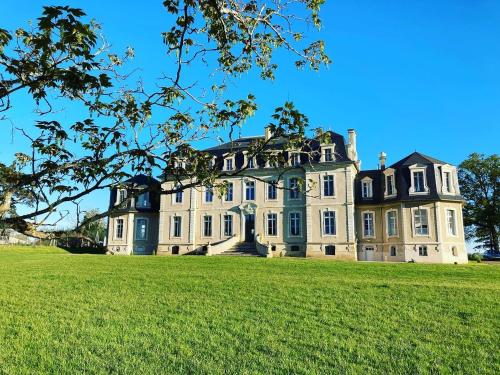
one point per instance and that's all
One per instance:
(242, 249)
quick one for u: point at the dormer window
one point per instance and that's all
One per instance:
(143, 200)
(390, 183)
(327, 153)
(418, 180)
(295, 159)
(251, 163)
(448, 180)
(367, 188)
(121, 196)
(228, 162)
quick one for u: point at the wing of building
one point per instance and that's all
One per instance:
(320, 204)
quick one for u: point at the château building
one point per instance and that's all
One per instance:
(320, 204)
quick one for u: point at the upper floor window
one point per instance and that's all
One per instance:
(295, 159)
(177, 226)
(179, 194)
(272, 224)
(368, 224)
(207, 226)
(367, 188)
(295, 224)
(119, 229)
(327, 154)
(451, 222)
(329, 223)
(272, 190)
(228, 197)
(250, 190)
(392, 223)
(229, 164)
(293, 185)
(209, 194)
(251, 162)
(122, 195)
(418, 180)
(228, 225)
(141, 229)
(328, 186)
(143, 200)
(421, 222)
(447, 182)
(389, 184)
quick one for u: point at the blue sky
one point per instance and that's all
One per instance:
(407, 75)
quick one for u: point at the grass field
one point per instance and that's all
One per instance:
(63, 313)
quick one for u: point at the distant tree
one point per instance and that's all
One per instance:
(141, 127)
(479, 178)
(93, 229)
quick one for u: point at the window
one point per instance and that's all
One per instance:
(328, 186)
(368, 224)
(229, 164)
(207, 226)
(329, 225)
(421, 222)
(389, 180)
(272, 191)
(366, 188)
(175, 250)
(251, 163)
(177, 226)
(454, 251)
(451, 222)
(447, 182)
(228, 225)
(328, 154)
(422, 251)
(143, 200)
(293, 188)
(294, 224)
(209, 194)
(272, 224)
(250, 190)
(122, 195)
(418, 181)
(330, 250)
(119, 228)
(141, 229)
(392, 223)
(295, 159)
(228, 197)
(178, 194)
(393, 251)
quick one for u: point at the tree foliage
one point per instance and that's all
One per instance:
(479, 178)
(127, 128)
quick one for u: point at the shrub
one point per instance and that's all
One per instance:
(476, 257)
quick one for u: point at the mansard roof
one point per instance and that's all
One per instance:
(403, 181)
(141, 180)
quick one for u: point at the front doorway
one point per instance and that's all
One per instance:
(249, 227)
(369, 253)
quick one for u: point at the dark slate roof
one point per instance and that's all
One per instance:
(402, 181)
(139, 182)
(241, 144)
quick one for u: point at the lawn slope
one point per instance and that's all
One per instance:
(63, 313)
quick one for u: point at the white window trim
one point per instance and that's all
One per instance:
(174, 195)
(229, 156)
(147, 228)
(331, 147)
(290, 224)
(244, 190)
(116, 227)
(414, 228)
(117, 200)
(452, 171)
(202, 227)
(204, 192)
(289, 190)
(172, 234)
(246, 160)
(277, 224)
(291, 156)
(322, 222)
(266, 195)
(322, 187)
(370, 182)
(268, 164)
(415, 168)
(223, 224)
(387, 223)
(455, 223)
(225, 194)
(390, 172)
(363, 224)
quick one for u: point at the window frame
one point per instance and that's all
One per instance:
(246, 189)
(174, 226)
(364, 235)
(290, 223)
(147, 228)
(414, 223)
(423, 251)
(291, 190)
(206, 190)
(334, 187)
(203, 221)
(455, 229)
(230, 189)
(276, 228)
(369, 182)
(144, 198)
(330, 246)
(323, 223)
(272, 184)
(396, 218)
(224, 227)
(395, 248)
(116, 237)
(418, 169)
(331, 149)
(390, 173)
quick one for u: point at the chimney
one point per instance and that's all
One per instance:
(382, 157)
(268, 133)
(351, 146)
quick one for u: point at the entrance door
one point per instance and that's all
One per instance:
(369, 252)
(249, 227)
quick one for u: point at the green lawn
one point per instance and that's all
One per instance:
(63, 313)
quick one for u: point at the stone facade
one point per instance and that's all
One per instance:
(339, 212)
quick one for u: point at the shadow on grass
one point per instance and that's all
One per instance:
(83, 250)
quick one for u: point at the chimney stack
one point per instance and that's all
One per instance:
(268, 133)
(351, 147)
(382, 157)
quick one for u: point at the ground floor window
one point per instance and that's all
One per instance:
(228, 225)
(177, 226)
(272, 224)
(294, 224)
(393, 251)
(207, 226)
(454, 251)
(119, 228)
(330, 250)
(329, 227)
(141, 229)
(175, 250)
(422, 251)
